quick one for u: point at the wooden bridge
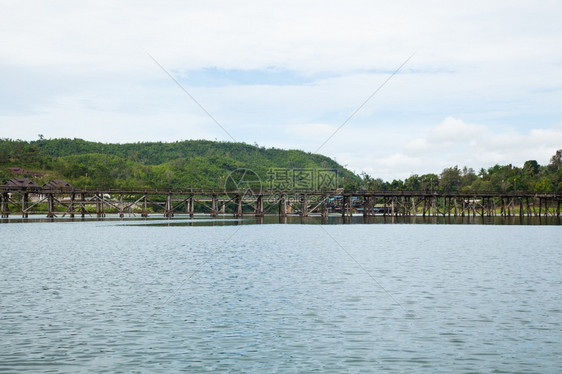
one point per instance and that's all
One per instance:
(61, 201)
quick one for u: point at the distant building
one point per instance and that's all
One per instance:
(20, 183)
(58, 184)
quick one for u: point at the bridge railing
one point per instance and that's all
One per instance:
(270, 192)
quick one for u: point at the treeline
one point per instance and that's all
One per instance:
(182, 164)
(531, 177)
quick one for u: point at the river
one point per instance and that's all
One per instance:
(220, 296)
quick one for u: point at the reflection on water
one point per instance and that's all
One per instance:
(226, 220)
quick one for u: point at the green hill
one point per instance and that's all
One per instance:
(182, 164)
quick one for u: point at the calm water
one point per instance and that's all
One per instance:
(150, 297)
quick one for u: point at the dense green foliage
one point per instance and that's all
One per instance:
(185, 164)
(531, 177)
(205, 164)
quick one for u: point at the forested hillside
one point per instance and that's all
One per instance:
(205, 164)
(183, 164)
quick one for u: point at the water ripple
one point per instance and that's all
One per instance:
(90, 296)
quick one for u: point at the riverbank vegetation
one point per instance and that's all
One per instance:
(530, 177)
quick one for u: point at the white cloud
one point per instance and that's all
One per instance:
(455, 130)
(483, 148)
(516, 147)
(311, 130)
(399, 160)
(483, 87)
(417, 145)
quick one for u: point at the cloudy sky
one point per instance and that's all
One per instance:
(481, 81)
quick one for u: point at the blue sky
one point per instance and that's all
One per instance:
(484, 85)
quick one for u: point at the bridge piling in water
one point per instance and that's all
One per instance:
(283, 205)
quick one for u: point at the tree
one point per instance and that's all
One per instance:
(468, 177)
(531, 167)
(544, 185)
(557, 158)
(429, 182)
(450, 179)
(412, 183)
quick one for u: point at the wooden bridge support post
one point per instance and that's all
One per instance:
(258, 209)
(504, 207)
(144, 212)
(455, 204)
(283, 206)
(102, 205)
(169, 209)
(82, 204)
(5, 211)
(434, 206)
(98, 198)
(222, 207)
(191, 206)
(98, 205)
(238, 209)
(71, 207)
(121, 206)
(325, 213)
(304, 205)
(214, 211)
(24, 205)
(51, 205)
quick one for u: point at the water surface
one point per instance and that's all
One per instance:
(140, 296)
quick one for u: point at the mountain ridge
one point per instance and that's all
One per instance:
(186, 163)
